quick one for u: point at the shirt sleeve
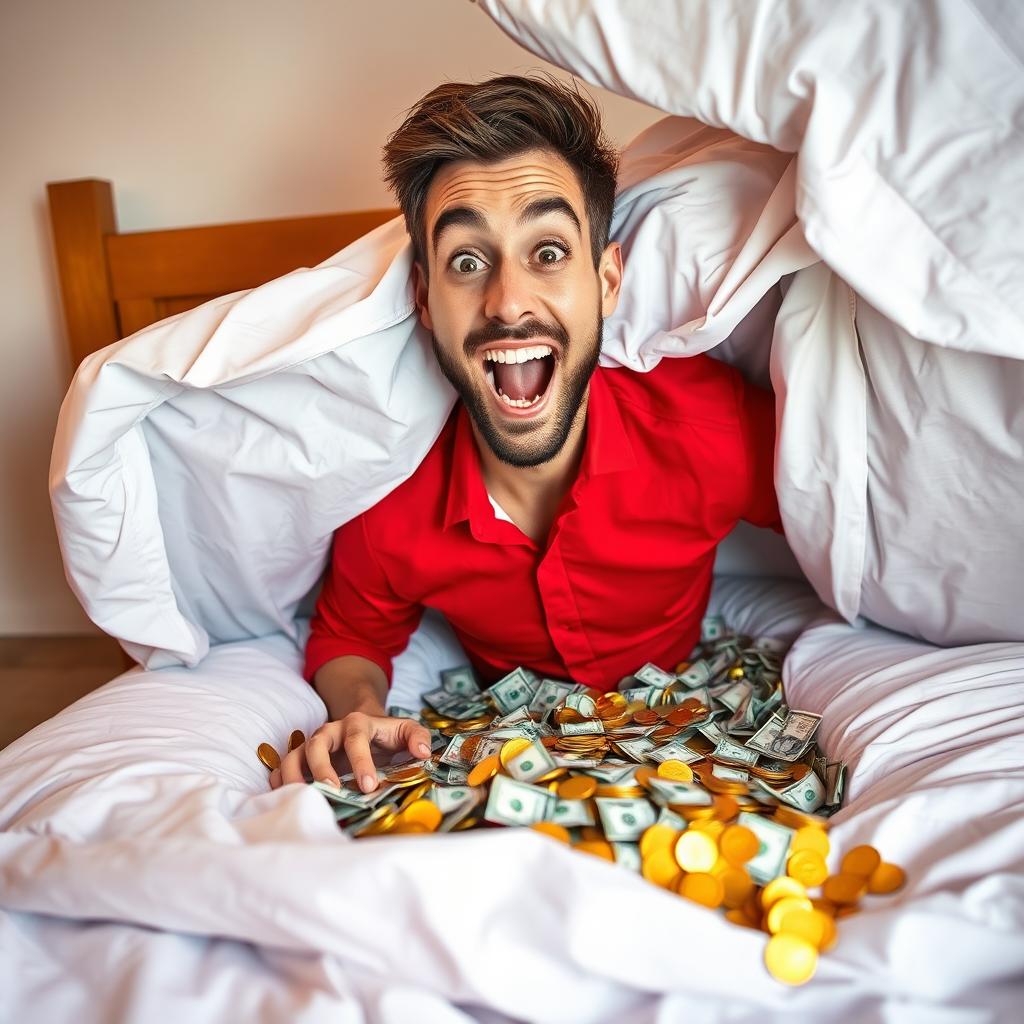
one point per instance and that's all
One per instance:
(757, 419)
(358, 612)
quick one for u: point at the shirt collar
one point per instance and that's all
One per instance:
(606, 449)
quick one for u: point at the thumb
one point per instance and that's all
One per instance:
(399, 733)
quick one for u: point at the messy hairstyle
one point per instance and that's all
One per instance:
(492, 121)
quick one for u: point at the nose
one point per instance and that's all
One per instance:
(508, 297)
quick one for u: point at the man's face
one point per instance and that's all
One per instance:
(514, 302)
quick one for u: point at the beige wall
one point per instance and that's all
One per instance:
(199, 111)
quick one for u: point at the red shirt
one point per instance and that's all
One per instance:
(672, 459)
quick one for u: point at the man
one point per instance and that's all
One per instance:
(567, 516)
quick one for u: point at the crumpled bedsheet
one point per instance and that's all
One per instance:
(147, 872)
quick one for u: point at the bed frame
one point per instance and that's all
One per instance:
(113, 284)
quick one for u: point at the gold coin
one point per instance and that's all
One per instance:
(414, 793)
(861, 860)
(843, 888)
(790, 958)
(406, 774)
(466, 823)
(592, 834)
(422, 813)
(660, 867)
(817, 928)
(709, 826)
(886, 878)
(737, 886)
(778, 888)
(738, 917)
(810, 838)
(297, 738)
(483, 770)
(738, 844)
(510, 748)
(599, 848)
(726, 807)
(696, 851)
(550, 828)
(677, 770)
(808, 868)
(269, 756)
(577, 787)
(657, 837)
(702, 888)
(644, 774)
(780, 908)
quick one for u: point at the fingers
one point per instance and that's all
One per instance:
(357, 747)
(293, 766)
(319, 748)
(275, 778)
(399, 733)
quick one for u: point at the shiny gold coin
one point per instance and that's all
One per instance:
(817, 928)
(549, 828)
(403, 826)
(861, 860)
(738, 844)
(297, 738)
(599, 848)
(702, 888)
(510, 748)
(577, 787)
(406, 774)
(886, 878)
(660, 867)
(710, 827)
(780, 908)
(645, 717)
(779, 888)
(843, 889)
(465, 824)
(620, 792)
(657, 837)
(809, 838)
(422, 813)
(792, 818)
(726, 807)
(644, 774)
(681, 668)
(695, 851)
(269, 756)
(737, 886)
(483, 771)
(808, 868)
(414, 793)
(790, 959)
(677, 770)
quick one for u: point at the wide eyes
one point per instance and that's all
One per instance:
(464, 264)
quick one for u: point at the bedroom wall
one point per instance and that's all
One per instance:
(198, 113)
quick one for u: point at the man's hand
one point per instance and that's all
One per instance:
(354, 735)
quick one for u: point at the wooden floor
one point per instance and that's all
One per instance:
(40, 675)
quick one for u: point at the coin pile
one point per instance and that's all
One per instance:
(701, 779)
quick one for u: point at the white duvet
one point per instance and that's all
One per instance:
(849, 227)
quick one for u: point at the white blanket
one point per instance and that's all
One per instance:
(148, 874)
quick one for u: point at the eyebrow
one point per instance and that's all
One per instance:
(469, 217)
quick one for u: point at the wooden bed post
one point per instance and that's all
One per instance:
(81, 214)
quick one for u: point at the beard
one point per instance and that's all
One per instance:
(519, 443)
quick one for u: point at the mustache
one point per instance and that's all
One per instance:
(532, 328)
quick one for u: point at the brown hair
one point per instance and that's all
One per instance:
(491, 121)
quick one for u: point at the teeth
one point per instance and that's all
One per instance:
(517, 355)
(518, 403)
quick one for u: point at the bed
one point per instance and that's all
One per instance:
(146, 871)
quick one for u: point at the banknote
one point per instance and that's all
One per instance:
(785, 736)
(698, 674)
(623, 819)
(531, 763)
(591, 728)
(461, 680)
(573, 813)
(651, 675)
(513, 690)
(518, 803)
(733, 753)
(712, 627)
(550, 693)
(770, 860)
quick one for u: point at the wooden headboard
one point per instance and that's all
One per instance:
(113, 284)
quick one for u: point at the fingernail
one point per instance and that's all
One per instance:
(423, 749)
(369, 782)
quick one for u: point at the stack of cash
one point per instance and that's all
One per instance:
(701, 779)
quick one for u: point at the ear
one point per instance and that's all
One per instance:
(609, 273)
(419, 283)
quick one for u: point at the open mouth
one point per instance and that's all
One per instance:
(520, 378)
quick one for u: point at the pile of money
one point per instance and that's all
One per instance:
(701, 779)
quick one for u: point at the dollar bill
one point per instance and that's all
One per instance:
(806, 794)
(651, 675)
(399, 712)
(513, 691)
(685, 794)
(637, 749)
(550, 693)
(461, 680)
(712, 627)
(627, 855)
(786, 736)
(723, 771)
(531, 763)
(573, 813)
(698, 674)
(451, 798)
(733, 753)
(770, 860)
(835, 782)
(518, 803)
(623, 819)
(675, 750)
(591, 728)
(582, 703)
